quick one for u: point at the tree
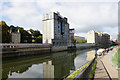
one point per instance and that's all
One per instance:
(82, 41)
(32, 31)
(13, 28)
(38, 39)
(5, 35)
(75, 40)
(25, 36)
(36, 33)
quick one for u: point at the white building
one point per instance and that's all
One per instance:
(55, 29)
(92, 37)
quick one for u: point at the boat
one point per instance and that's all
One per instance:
(100, 51)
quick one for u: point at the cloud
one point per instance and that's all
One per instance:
(83, 15)
(113, 31)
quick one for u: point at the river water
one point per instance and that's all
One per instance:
(54, 65)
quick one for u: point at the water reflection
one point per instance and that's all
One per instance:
(56, 65)
(91, 54)
(59, 66)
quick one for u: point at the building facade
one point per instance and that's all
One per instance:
(71, 37)
(15, 37)
(98, 38)
(92, 37)
(55, 29)
(105, 39)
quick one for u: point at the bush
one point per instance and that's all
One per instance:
(38, 39)
(82, 41)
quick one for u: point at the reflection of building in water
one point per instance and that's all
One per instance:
(55, 65)
(91, 54)
(60, 65)
(21, 65)
(48, 70)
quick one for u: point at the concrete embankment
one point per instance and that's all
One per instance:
(14, 50)
(85, 46)
(9, 50)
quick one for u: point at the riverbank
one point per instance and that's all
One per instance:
(84, 72)
(14, 50)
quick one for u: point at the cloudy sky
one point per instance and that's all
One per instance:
(83, 15)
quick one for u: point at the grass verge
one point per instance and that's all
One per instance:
(93, 70)
(75, 73)
(116, 59)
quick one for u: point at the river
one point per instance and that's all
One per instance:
(54, 65)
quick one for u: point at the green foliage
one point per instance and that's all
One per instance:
(13, 28)
(75, 39)
(82, 41)
(5, 34)
(36, 33)
(75, 73)
(38, 39)
(25, 36)
(93, 70)
(32, 31)
(116, 59)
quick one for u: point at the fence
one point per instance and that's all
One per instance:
(22, 45)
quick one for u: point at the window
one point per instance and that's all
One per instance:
(53, 43)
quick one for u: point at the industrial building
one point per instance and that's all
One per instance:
(56, 30)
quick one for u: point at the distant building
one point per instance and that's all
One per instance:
(55, 29)
(98, 38)
(78, 38)
(105, 39)
(15, 36)
(92, 37)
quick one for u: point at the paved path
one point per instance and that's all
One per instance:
(113, 72)
(104, 68)
(100, 70)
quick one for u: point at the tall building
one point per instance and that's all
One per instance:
(55, 29)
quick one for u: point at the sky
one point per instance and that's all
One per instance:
(83, 15)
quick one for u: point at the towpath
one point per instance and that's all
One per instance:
(105, 68)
